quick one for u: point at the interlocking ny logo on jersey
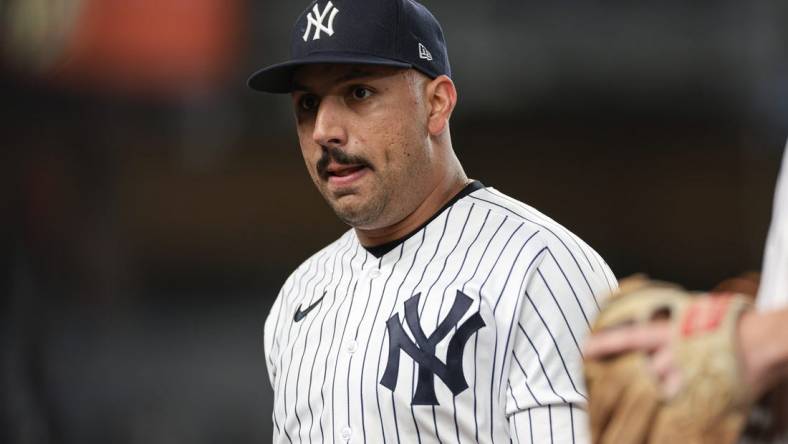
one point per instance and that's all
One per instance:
(316, 18)
(423, 350)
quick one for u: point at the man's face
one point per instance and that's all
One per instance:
(364, 137)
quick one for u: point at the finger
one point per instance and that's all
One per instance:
(671, 385)
(662, 363)
(644, 338)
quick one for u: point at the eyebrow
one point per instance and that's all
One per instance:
(354, 74)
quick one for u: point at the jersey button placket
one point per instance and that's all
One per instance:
(346, 434)
(351, 346)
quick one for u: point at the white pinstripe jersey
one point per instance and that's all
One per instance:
(468, 330)
(773, 291)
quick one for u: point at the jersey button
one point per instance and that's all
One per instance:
(351, 346)
(346, 433)
(375, 273)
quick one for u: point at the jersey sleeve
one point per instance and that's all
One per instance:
(550, 424)
(271, 335)
(546, 394)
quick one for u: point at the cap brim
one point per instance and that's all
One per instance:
(279, 78)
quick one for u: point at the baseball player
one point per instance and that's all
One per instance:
(760, 351)
(450, 312)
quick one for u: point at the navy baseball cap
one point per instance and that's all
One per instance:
(399, 33)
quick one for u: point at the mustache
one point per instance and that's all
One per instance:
(341, 157)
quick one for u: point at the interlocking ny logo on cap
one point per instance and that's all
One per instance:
(316, 18)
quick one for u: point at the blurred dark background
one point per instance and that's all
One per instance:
(152, 205)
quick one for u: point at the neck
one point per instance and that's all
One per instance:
(436, 199)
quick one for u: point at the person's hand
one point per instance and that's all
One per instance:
(663, 364)
(759, 345)
(654, 339)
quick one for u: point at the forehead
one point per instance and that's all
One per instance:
(321, 76)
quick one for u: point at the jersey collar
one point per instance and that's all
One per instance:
(379, 250)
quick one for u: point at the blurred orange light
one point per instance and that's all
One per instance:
(152, 46)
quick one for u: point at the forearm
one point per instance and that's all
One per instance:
(764, 347)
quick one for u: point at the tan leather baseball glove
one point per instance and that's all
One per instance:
(626, 403)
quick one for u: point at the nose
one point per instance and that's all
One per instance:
(329, 128)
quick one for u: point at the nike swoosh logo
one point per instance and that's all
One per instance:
(302, 314)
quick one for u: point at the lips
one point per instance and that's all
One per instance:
(344, 175)
(343, 170)
(339, 168)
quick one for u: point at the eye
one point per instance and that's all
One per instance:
(308, 102)
(361, 93)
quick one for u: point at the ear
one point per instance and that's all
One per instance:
(442, 97)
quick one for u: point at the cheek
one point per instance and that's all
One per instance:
(306, 142)
(311, 154)
(390, 137)
(403, 154)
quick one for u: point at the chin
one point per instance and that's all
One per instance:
(357, 214)
(356, 219)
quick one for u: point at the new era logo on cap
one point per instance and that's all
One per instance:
(424, 53)
(316, 18)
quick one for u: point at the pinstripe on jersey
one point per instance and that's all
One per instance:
(773, 291)
(510, 293)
